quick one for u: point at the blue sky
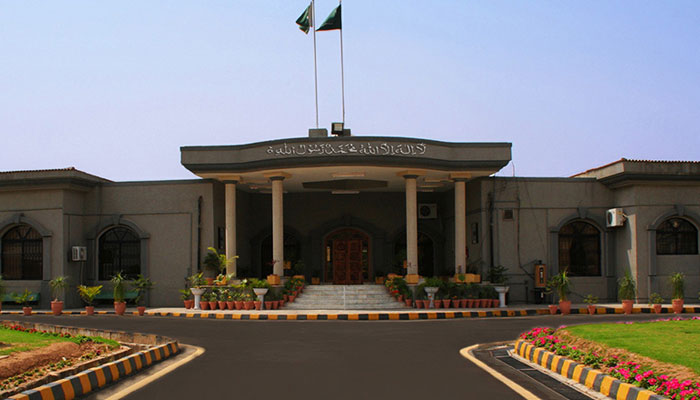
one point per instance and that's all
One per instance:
(114, 88)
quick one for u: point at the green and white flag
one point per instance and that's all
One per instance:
(304, 21)
(334, 21)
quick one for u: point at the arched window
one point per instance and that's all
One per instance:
(579, 249)
(119, 250)
(22, 253)
(676, 236)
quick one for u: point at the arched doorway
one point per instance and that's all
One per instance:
(346, 257)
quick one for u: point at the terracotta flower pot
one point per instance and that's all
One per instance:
(495, 302)
(446, 303)
(553, 309)
(276, 304)
(419, 303)
(222, 305)
(677, 305)
(565, 307)
(470, 303)
(268, 305)
(212, 305)
(400, 298)
(286, 297)
(463, 303)
(248, 305)
(210, 281)
(230, 305)
(627, 306)
(141, 310)
(238, 304)
(89, 310)
(189, 304)
(291, 298)
(657, 308)
(204, 305)
(119, 307)
(57, 307)
(258, 305)
(409, 302)
(591, 309)
(27, 311)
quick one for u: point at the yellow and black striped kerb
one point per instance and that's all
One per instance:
(589, 377)
(94, 378)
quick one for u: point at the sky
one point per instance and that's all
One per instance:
(114, 88)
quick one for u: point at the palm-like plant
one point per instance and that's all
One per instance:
(560, 283)
(57, 284)
(119, 284)
(678, 285)
(627, 287)
(88, 293)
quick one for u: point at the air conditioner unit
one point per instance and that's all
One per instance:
(615, 217)
(78, 253)
(427, 211)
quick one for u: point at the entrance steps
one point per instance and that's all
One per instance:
(345, 297)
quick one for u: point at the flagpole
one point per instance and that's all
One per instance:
(342, 70)
(313, 24)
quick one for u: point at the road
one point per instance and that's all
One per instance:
(288, 360)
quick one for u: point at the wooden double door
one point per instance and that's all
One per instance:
(347, 261)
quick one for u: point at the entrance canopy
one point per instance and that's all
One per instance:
(345, 163)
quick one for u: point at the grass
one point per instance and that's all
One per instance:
(23, 341)
(675, 342)
(15, 341)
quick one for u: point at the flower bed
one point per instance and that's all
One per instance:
(622, 365)
(33, 367)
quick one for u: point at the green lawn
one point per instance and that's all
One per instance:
(14, 341)
(676, 342)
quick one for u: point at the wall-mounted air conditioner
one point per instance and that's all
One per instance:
(78, 253)
(615, 217)
(427, 211)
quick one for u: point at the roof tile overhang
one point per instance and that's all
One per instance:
(626, 171)
(66, 178)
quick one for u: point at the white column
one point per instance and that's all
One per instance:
(230, 207)
(411, 225)
(277, 225)
(460, 226)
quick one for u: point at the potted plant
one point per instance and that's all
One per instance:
(23, 300)
(57, 284)
(627, 292)
(186, 297)
(249, 302)
(204, 301)
(561, 284)
(432, 285)
(119, 286)
(142, 286)
(655, 301)
(222, 297)
(88, 294)
(678, 285)
(217, 262)
(212, 300)
(591, 301)
(196, 282)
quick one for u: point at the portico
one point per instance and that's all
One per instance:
(335, 174)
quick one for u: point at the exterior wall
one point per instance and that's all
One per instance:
(540, 207)
(178, 220)
(165, 213)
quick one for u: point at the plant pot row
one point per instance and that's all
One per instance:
(237, 305)
(458, 303)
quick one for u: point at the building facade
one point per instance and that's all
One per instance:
(347, 209)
